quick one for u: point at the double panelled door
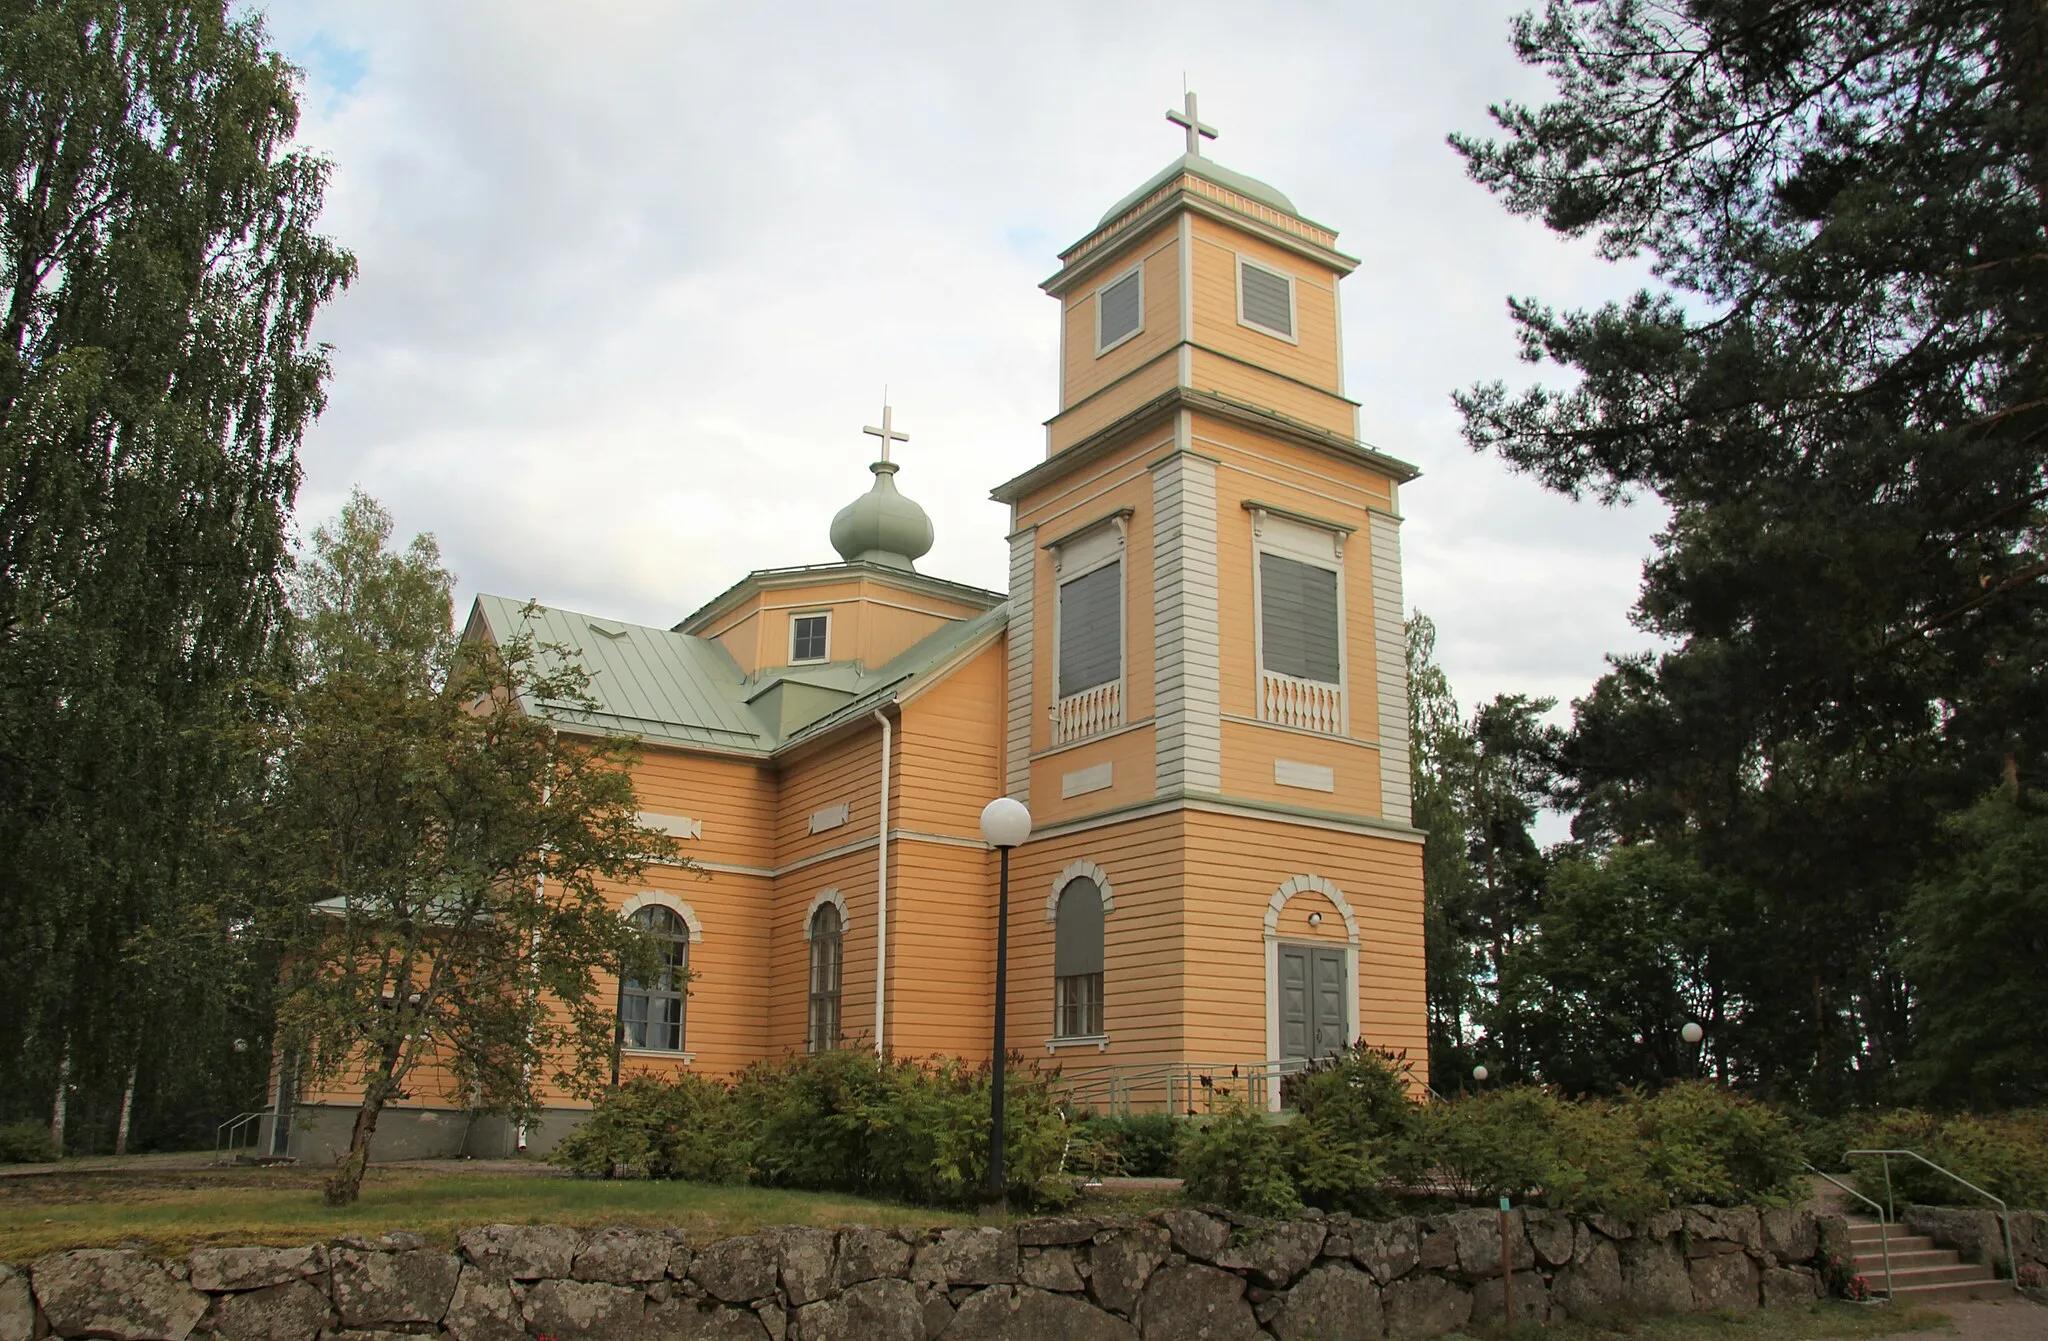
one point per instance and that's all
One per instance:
(1311, 1001)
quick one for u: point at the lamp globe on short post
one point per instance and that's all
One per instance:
(1005, 824)
(1692, 1033)
(1479, 1075)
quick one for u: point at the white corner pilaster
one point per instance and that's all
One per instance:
(1189, 755)
(1023, 579)
(1390, 649)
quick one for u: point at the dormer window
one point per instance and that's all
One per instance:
(1119, 309)
(1265, 299)
(809, 637)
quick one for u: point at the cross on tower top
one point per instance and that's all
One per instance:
(887, 432)
(1192, 124)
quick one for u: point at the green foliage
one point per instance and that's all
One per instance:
(843, 1121)
(159, 276)
(688, 1128)
(1976, 939)
(1353, 1129)
(1235, 1158)
(26, 1143)
(1834, 386)
(436, 855)
(2006, 1155)
(1709, 1144)
(1140, 1145)
(1496, 1144)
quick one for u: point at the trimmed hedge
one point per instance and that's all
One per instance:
(26, 1143)
(2006, 1154)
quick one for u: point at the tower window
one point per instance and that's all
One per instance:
(1077, 961)
(807, 637)
(1298, 624)
(1091, 629)
(1265, 299)
(1119, 309)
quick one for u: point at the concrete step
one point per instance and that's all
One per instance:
(1928, 1275)
(1901, 1243)
(1955, 1289)
(1867, 1262)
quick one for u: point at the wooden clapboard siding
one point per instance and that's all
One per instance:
(1083, 373)
(725, 1019)
(735, 799)
(1314, 359)
(1187, 650)
(1111, 403)
(941, 949)
(1132, 757)
(1249, 752)
(949, 752)
(1251, 385)
(1234, 864)
(872, 620)
(1145, 976)
(846, 770)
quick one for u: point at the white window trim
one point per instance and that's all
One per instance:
(837, 900)
(795, 615)
(1135, 332)
(1076, 870)
(1293, 306)
(1302, 884)
(659, 898)
(1062, 574)
(1275, 544)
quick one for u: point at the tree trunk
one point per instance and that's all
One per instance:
(345, 1184)
(57, 1106)
(127, 1111)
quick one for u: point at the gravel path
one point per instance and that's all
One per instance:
(1988, 1320)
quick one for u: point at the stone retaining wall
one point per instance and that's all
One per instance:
(1976, 1234)
(1182, 1273)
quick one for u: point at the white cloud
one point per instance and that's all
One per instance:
(634, 275)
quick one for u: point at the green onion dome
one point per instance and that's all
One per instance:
(882, 526)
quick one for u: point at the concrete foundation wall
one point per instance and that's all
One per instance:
(320, 1133)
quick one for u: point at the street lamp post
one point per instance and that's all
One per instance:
(1005, 823)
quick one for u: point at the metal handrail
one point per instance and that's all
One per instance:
(2012, 1264)
(1884, 1224)
(1113, 1086)
(227, 1136)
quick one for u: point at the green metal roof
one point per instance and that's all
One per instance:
(671, 688)
(1208, 169)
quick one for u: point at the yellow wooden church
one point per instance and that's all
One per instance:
(1196, 682)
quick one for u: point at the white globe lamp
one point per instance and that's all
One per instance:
(1005, 822)
(1480, 1073)
(1692, 1033)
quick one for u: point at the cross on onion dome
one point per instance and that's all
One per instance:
(1192, 124)
(887, 432)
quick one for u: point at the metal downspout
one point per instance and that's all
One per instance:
(882, 886)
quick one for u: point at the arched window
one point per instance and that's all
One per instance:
(651, 1013)
(827, 931)
(1077, 961)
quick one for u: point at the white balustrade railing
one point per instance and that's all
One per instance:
(1308, 704)
(1088, 713)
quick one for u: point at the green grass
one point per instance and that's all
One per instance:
(168, 1212)
(1817, 1322)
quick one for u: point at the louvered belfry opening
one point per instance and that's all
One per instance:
(1267, 299)
(1121, 309)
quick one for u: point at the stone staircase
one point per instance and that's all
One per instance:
(1921, 1272)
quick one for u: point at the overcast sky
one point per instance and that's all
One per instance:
(634, 275)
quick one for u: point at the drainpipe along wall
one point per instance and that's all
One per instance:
(882, 887)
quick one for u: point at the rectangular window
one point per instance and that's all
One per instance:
(1119, 310)
(1091, 629)
(1077, 1009)
(1298, 623)
(1265, 299)
(807, 636)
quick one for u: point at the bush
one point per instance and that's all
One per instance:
(1138, 1146)
(1235, 1159)
(1825, 1141)
(1502, 1143)
(26, 1143)
(846, 1121)
(2007, 1155)
(687, 1128)
(1709, 1144)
